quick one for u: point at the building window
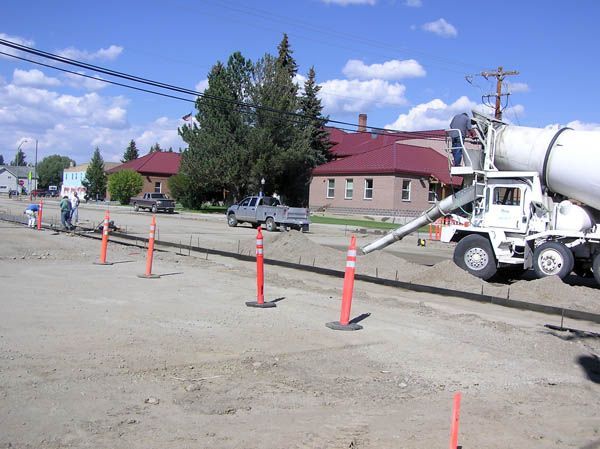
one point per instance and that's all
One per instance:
(368, 189)
(330, 188)
(349, 189)
(405, 190)
(157, 187)
(432, 194)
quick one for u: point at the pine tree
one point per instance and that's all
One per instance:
(1, 160)
(155, 148)
(95, 177)
(19, 159)
(311, 107)
(285, 58)
(217, 157)
(131, 152)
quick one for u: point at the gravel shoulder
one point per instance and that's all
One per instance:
(92, 356)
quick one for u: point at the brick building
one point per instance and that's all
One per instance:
(156, 169)
(396, 174)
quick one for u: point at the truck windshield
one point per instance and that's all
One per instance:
(159, 195)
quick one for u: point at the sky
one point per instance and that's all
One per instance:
(407, 64)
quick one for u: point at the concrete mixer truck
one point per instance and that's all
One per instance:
(532, 197)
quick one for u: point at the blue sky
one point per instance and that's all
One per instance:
(402, 62)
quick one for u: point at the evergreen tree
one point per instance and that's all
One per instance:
(155, 148)
(217, 157)
(285, 58)
(278, 142)
(131, 152)
(1, 160)
(95, 177)
(311, 108)
(19, 159)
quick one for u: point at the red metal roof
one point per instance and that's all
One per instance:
(391, 158)
(158, 163)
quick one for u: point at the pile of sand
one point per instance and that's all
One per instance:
(554, 292)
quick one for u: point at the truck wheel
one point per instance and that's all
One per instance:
(474, 254)
(154, 209)
(552, 259)
(171, 211)
(136, 207)
(271, 225)
(232, 221)
(596, 268)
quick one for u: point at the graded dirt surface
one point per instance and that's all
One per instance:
(93, 356)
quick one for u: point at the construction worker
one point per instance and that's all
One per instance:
(32, 211)
(461, 122)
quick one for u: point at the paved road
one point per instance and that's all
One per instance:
(210, 230)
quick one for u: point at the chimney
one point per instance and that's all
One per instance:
(362, 122)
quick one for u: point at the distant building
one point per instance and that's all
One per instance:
(17, 178)
(156, 169)
(395, 174)
(74, 176)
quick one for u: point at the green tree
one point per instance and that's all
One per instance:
(218, 156)
(155, 148)
(19, 159)
(1, 160)
(131, 152)
(95, 177)
(50, 170)
(278, 142)
(312, 109)
(124, 185)
(179, 186)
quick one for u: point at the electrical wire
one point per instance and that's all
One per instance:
(166, 86)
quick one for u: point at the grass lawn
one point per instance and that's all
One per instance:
(353, 222)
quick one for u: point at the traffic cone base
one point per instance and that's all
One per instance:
(337, 326)
(149, 276)
(264, 305)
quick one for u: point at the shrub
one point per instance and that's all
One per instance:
(124, 185)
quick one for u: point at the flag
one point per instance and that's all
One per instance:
(187, 117)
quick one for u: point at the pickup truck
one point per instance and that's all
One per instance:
(154, 202)
(259, 210)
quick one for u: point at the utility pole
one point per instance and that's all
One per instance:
(499, 74)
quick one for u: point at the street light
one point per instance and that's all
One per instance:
(262, 187)
(16, 165)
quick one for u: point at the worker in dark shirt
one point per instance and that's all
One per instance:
(461, 122)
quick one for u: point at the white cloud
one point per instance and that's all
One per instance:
(33, 77)
(17, 40)
(577, 125)
(349, 2)
(441, 28)
(390, 70)
(104, 54)
(434, 114)
(413, 3)
(518, 87)
(83, 82)
(359, 96)
(202, 85)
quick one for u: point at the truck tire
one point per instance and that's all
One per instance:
(154, 209)
(171, 211)
(474, 254)
(136, 207)
(553, 259)
(231, 220)
(270, 224)
(596, 268)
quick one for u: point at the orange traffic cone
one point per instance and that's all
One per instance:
(148, 274)
(260, 276)
(344, 323)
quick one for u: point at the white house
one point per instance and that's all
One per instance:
(16, 178)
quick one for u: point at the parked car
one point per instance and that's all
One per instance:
(38, 192)
(259, 210)
(154, 202)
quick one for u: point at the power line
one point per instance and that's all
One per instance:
(166, 86)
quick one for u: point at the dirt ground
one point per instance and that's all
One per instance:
(93, 356)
